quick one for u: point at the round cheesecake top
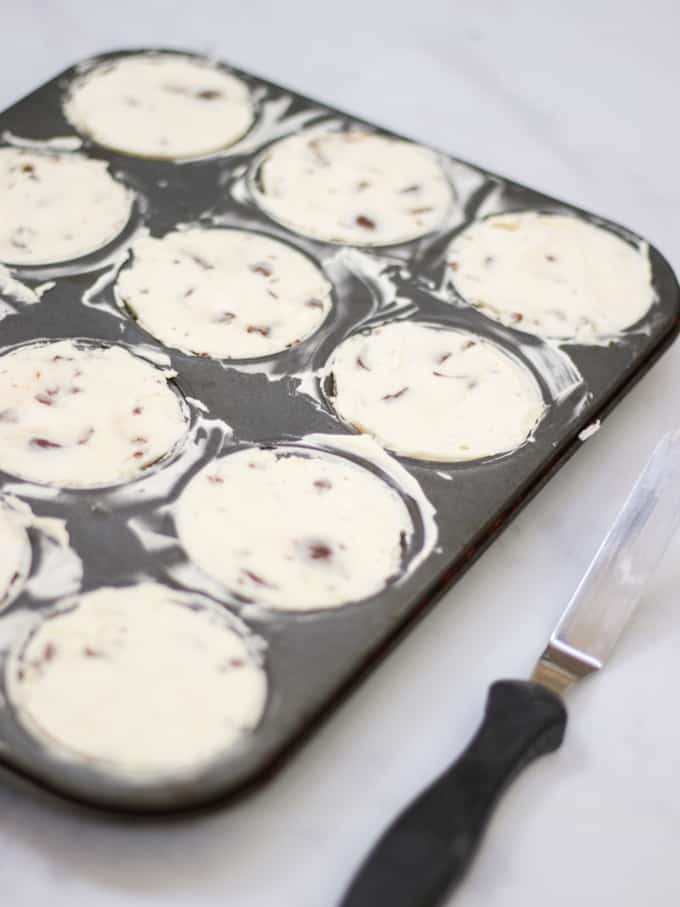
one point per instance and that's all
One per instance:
(551, 274)
(230, 294)
(78, 415)
(57, 206)
(433, 393)
(294, 529)
(353, 187)
(160, 106)
(137, 680)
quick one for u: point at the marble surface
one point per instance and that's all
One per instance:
(575, 99)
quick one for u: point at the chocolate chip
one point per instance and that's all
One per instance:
(488, 260)
(414, 188)
(420, 210)
(362, 364)
(140, 440)
(453, 265)
(362, 184)
(322, 484)
(319, 552)
(551, 258)
(257, 579)
(21, 237)
(44, 399)
(396, 394)
(75, 390)
(200, 261)
(516, 316)
(137, 454)
(225, 317)
(314, 304)
(43, 442)
(365, 222)
(187, 293)
(444, 358)
(86, 437)
(91, 653)
(49, 652)
(236, 663)
(216, 480)
(258, 329)
(138, 410)
(468, 344)
(262, 269)
(209, 94)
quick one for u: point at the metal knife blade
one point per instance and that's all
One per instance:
(611, 589)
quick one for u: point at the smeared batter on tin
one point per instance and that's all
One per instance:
(294, 529)
(433, 393)
(15, 552)
(553, 275)
(160, 106)
(224, 293)
(353, 187)
(135, 680)
(57, 207)
(78, 416)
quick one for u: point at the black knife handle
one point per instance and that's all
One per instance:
(429, 847)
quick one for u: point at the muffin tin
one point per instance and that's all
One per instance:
(126, 533)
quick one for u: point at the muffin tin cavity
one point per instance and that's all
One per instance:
(433, 393)
(353, 187)
(230, 294)
(294, 529)
(160, 106)
(79, 415)
(57, 206)
(553, 275)
(137, 680)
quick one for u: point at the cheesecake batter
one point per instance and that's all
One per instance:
(294, 529)
(136, 681)
(230, 294)
(160, 106)
(353, 187)
(553, 275)
(15, 553)
(57, 207)
(433, 393)
(80, 416)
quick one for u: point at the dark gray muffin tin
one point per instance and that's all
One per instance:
(312, 659)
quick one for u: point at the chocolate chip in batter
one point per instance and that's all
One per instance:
(44, 399)
(551, 258)
(318, 551)
(365, 222)
(200, 261)
(258, 580)
(396, 394)
(261, 268)
(225, 317)
(138, 410)
(314, 304)
(87, 436)
(322, 484)
(209, 94)
(43, 442)
(21, 237)
(420, 210)
(413, 188)
(259, 329)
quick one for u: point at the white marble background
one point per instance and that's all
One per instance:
(578, 99)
